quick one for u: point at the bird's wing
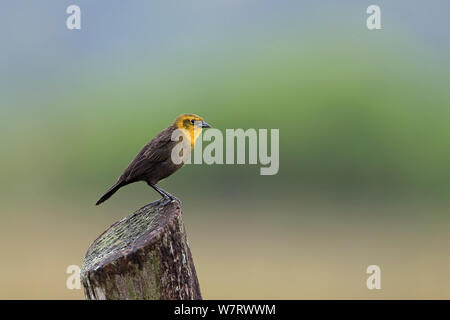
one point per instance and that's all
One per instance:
(158, 150)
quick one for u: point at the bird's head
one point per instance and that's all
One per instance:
(191, 125)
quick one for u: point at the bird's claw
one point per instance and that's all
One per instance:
(167, 200)
(176, 199)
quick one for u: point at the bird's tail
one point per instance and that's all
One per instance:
(110, 192)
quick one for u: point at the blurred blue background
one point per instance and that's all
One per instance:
(364, 140)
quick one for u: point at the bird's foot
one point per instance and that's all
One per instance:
(166, 200)
(172, 198)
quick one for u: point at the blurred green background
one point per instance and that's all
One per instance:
(364, 141)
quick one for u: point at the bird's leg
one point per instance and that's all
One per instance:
(168, 195)
(164, 193)
(157, 189)
(164, 198)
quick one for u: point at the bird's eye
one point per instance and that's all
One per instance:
(192, 121)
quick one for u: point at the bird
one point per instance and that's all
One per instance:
(154, 162)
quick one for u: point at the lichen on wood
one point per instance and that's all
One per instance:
(143, 256)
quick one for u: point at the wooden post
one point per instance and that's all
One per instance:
(143, 256)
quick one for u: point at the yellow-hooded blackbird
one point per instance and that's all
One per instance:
(154, 163)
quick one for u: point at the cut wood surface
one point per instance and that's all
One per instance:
(143, 256)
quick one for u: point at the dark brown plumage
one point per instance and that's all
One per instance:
(153, 163)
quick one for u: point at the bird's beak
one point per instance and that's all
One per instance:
(205, 125)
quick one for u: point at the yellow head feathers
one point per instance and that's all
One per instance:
(191, 125)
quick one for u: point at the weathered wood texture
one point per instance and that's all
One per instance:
(143, 256)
